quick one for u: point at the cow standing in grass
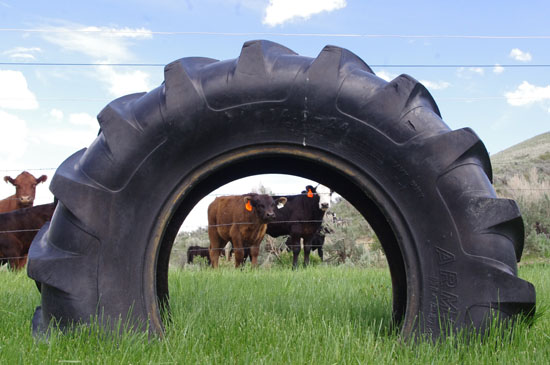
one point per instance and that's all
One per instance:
(301, 218)
(25, 190)
(318, 240)
(194, 251)
(241, 219)
(17, 230)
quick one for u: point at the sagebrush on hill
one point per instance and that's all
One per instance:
(522, 173)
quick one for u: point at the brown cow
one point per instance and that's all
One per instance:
(241, 219)
(17, 230)
(25, 190)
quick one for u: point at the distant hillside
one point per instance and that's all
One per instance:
(519, 159)
(522, 173)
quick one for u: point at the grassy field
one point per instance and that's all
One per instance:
(321, 315)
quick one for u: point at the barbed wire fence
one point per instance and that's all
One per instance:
(502, 189)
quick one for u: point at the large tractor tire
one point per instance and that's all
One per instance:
(451, 244)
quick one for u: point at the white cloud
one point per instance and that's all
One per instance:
(385, 75)
(79, 131)
(105, 45)
(22, 56)
(22, 53)
(73, 138)
(498, 69)
(527, 94)
(281, 11)
(120, 32)
(519, 55)
(468, 73)
(101, 43)
(14, 91)
(435, 85)
(477, 70)
(56, 114)
(123, 83)
(13, 139)
(84, 119)
(76, 119)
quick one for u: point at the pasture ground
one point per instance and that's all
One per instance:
(319, 315)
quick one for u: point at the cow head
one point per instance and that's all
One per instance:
(322, 192)
(25, 187)
(263, 206)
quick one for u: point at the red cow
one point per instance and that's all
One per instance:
(241, 219)
(25, 190)
(17, 230)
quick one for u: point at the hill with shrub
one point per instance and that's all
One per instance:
(522, 173)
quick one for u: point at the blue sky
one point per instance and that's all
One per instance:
(497, 85)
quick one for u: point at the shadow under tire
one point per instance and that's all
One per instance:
(451, 243)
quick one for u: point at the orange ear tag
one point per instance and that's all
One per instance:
(309, 193)
(248, 206)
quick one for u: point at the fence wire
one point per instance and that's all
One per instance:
(207, 226)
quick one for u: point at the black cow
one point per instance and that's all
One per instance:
(301, 218)
(193, 251)
(317, 241)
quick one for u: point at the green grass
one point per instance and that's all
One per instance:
(319, 315)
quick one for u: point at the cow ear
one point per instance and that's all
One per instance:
(248, 203)
(41, 179)
(9, 180)
(281, 202)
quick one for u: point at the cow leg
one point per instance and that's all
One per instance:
(22, 262)
(295, 247)
(214, 256)
(216, 242)
(17, 264)
(253, 252)
(320, 251)
(307, 248)
(238, 250)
